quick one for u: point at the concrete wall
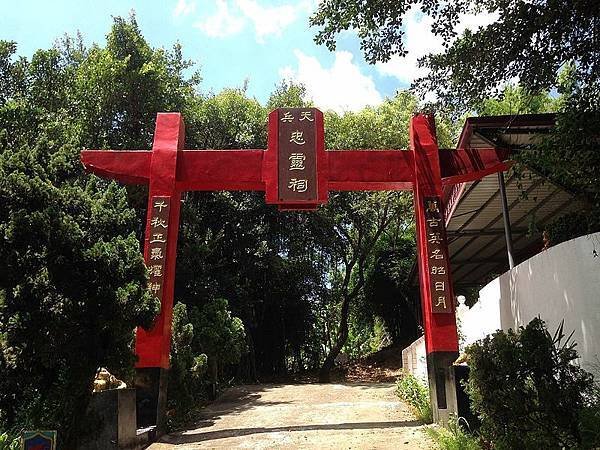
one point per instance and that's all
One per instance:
(414, 359)
(562, 282)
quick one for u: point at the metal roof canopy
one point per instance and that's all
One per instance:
(476, 234)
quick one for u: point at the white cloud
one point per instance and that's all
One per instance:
(420, 41)
(341, 88)
(184, 8)
(232, 16)
(222, 23)
(268, 20)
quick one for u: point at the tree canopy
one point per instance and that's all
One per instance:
(529, 41)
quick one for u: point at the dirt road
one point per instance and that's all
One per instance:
(319, 416)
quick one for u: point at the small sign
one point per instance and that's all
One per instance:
(297, 159)
(437, 253)
(157, 248)
(38, 440)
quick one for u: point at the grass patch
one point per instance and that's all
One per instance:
(416, 394)
(454, 437)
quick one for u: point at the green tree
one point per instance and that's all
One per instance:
(515, 100)
(226, 120)
(359, 222)
(119, 88)
(73, 281)
(218, 334)
(526, 388)
(188, 368)
(72, 288)
(528, 40)
(288, 94)
(389, 292)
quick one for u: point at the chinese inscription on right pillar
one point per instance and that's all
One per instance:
(435, 231)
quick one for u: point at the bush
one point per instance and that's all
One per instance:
(454, 437)
(72, 287)
(187, 381)
(416, 394)
(526, 390)
(571, 226)
(8, 442)
(590, 416)
(206, 337)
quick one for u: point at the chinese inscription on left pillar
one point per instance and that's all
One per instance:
(157, 244)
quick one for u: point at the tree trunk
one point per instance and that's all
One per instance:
(342, 337)
(214, 376)
(251, 357)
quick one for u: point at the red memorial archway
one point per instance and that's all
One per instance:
(296, 173)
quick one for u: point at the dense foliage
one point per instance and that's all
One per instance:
(8, 442)
(526, 40)
(72, 283)
(187, 383)
(526, 389)
(300, 288)
(414, 392)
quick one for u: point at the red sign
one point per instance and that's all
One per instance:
(157, 238)
(437, 257)
(297, 158)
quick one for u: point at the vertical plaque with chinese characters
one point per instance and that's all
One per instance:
(435, 234)
(297, 158)
(157, 244)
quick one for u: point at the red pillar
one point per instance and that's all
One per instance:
(437, 296)
(160, 250)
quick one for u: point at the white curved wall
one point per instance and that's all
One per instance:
(562, 282)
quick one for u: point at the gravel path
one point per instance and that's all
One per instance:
(316, 416)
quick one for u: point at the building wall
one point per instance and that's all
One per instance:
(562, 282)
(414, 359)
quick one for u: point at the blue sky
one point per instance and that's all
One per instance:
(234, 40)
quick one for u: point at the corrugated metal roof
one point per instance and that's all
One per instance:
(475, 228)
(476, 231)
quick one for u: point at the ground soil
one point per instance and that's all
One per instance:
(361, 412)
(319, 416)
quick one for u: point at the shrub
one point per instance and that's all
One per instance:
(204, 337)
(526, 390)
(590, 415)
(187, 381)
(72, 286)
(9, 442)
(416, 394)
(571, 226)
(454, 437)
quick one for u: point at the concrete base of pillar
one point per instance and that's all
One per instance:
(151, 397)
(110, 422)
(442, 385)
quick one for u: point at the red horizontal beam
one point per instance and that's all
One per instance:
(220, 170)
(349, 170)
(127, 166)
(372, 170)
